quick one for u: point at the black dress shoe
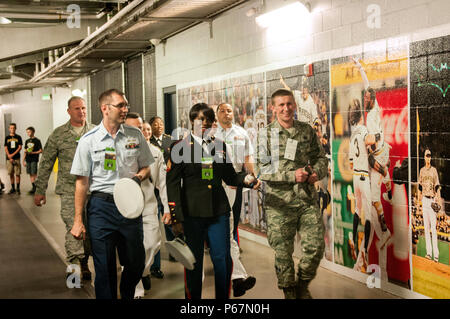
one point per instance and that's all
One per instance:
(12, 191)
(146, 282)
(240, 286)
(157, 273)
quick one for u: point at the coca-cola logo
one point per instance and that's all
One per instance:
(396, 127)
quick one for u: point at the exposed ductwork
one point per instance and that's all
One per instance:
(125, 35)
(52, 12)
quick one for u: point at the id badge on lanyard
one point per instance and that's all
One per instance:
(110, 159)
(291, 149)
(207, 168)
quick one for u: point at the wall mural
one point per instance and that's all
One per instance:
(370, 121)
(310, 85)
(430, 169)
(373, 154)
(246, 95)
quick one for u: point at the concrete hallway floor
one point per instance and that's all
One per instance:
(257, 258)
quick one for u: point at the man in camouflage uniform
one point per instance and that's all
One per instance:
(290, 161)
(62, 144)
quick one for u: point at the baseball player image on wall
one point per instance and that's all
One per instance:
(370, 212)
(359, 163)
(378, 154)
(430, 167)
(430, 195)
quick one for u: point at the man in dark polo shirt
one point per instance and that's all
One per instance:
(13, 145)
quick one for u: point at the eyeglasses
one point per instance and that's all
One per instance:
(120, 105)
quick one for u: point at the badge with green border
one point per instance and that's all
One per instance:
(207, 170)
(110, 159)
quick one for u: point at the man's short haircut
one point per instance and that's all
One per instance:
(218, 106)
(202, 107)
(153, 119)
(31, 129)
(73, 98)
(133, 115)
(13, 124)
(281, 92)
(105, 97)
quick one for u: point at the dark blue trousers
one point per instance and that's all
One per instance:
(109, 231)
(216, 231)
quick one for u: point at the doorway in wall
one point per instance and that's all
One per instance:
(170, 109)
(7, 120)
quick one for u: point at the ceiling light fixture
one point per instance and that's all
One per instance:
(155, 42)
(293, 12)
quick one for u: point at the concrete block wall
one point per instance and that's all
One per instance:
(239, 44)
(338, 28)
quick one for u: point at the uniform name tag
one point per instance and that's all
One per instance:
(207, 170)
(110, 159)
(291, 149)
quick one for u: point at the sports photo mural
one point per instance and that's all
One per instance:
(382, 116)
(370, 124)
(310, 86)
(246, 95)
(430, 167)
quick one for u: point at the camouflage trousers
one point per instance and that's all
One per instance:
(76, 250)
(282, 225)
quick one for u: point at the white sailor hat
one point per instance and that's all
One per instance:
(128, 198)
(181, 252)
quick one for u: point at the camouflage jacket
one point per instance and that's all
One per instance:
(279, 172)
(61, 144)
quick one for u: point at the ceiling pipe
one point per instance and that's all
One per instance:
(86, 45)
(61, 16)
